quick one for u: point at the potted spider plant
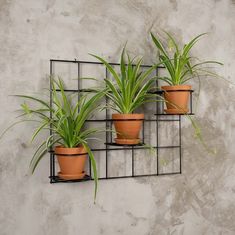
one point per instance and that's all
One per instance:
(128, 91)
(181, 67)
(68, 136)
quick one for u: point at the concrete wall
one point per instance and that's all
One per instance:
(200, 201)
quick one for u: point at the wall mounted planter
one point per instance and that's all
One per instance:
(110, 145)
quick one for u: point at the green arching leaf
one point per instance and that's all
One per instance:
(14, 124)
(38, 130)
(115, 92)
(37, 160)
(115, 102)
(43, 144)
(140, 80)
(168, 64)
(166, 79)
(207, 62)
(110, 69)
(39, 155)
(159, 45)
(87, 109)
(93, 163)
(34, 99)
(188, 46)
(123, 65)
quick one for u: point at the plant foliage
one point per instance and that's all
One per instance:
(63, 119)
(130, 87)
(178, 62)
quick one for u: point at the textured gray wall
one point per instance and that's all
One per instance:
(200, 201)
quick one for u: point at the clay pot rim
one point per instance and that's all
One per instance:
(127, 141)
(177, 87)
(129, 116)
(60, 149)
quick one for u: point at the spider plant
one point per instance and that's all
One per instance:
(129, 89)
(181, 66)
(64, 119)
(131, 86)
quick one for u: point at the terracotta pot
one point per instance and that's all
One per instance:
(127, 130)
(71, 167)
(177, 98)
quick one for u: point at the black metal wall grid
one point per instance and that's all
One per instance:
(159, 116)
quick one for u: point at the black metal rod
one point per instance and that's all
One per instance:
(191, 102)
(51, 155)
(58, 180)
(77, 90)
(180, 148)
(95, 62)
(111, 131)
(168, 114)
(145, 175)
(53, 165)
(69, 90)
(163, 91)
(162, 109)
(160, 92)
(106, 132)
(146, 120)
(123, 120)
(132, 162)
(157, 127)
(70, 155)
(122, 147)
(78, 81)
(143, 127)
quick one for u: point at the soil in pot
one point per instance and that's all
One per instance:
(176, 98)
(71, 161)
(128, 128)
